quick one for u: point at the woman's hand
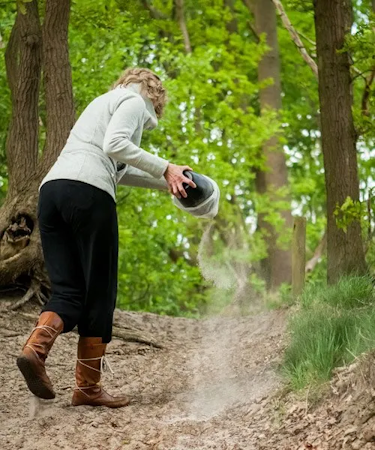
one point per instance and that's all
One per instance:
(175, 177)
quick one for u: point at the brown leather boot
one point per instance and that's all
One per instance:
(31, 362)
(88, 390)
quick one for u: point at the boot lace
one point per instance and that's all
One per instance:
(104, 366)
(40, 327)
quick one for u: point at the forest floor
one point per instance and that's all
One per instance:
(213, 385)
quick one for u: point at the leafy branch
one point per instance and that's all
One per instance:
(295, 37)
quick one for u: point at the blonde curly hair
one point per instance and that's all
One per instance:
(151, 84)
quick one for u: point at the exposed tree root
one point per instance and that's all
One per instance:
(25, 268)
(29, 294)
(27, 262)
(21, 256)
(15, 287)
(15, 238)
(33, 291)
(126, 334)
(133, 335)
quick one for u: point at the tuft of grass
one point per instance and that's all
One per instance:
(332, 325)
(349, 292)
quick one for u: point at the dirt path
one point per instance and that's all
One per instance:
(204, 390)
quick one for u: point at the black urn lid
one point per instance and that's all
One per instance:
(196, 196)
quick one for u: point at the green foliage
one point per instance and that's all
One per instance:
(282, 298)
(332, 325)
(350, 211)
(360, 45)
(22, 5)
(149, 280)
(204, 126)
(213, 123)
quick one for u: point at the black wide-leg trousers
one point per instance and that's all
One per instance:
(79, 232)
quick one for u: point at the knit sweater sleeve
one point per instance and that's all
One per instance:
(138, 178)
(117, 140)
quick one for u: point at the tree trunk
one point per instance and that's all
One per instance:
(18, 224)
(332, 22)
(277, 267)
(180, 15)
(23, 61)
(21, 257)
(57, 80)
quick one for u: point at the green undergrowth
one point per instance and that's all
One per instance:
(331, 326)
(280, 299)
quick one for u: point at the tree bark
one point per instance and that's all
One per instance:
(369, 79)
(180, 15)
(332, 22)
(155, 13)
(21, 257)
(23, 61)
(57, 80)
(277, 267)
(298, 256)
(232, 25)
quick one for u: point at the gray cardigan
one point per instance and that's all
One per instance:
(110, 130)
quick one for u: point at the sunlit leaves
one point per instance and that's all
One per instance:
(213, 123)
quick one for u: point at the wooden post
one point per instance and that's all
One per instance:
(298, 256)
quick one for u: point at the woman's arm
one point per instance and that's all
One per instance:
(117, 144)
(171, 181)
(138, 178)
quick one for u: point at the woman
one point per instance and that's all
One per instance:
(78, 227)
